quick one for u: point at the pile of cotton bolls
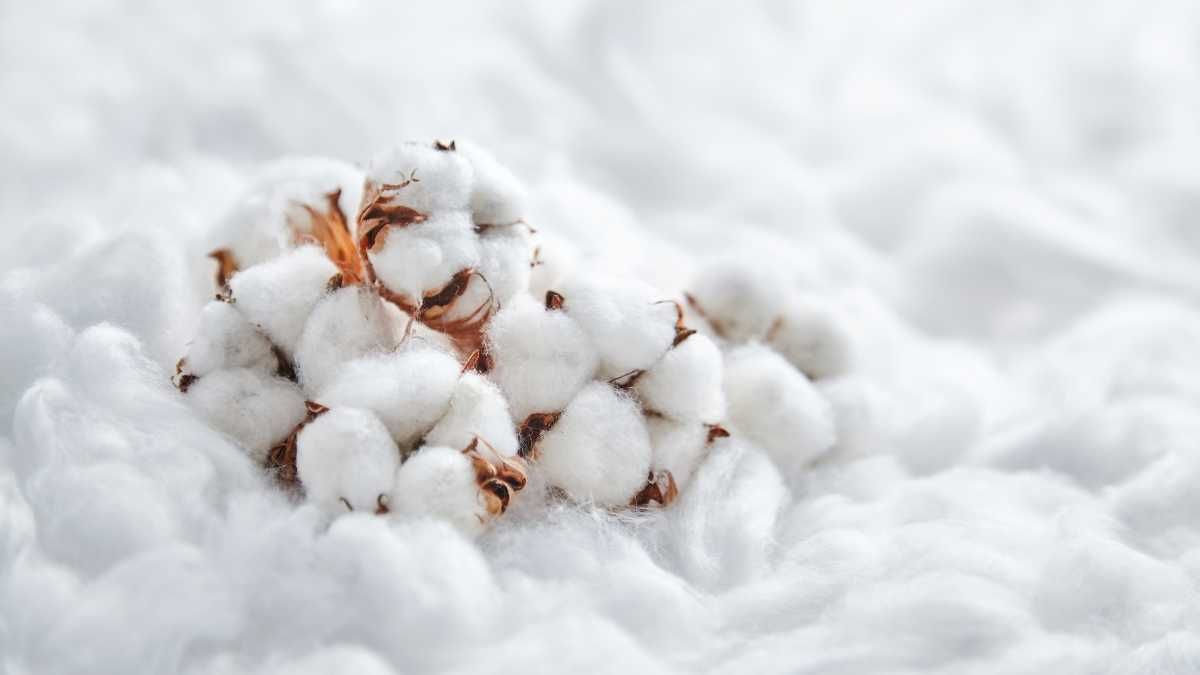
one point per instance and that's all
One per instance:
(376, 344)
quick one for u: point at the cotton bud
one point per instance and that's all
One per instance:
(776, 407)
(421, 176)
(292, 202)
(254, 407)
(677, 449)
(347, 323)
(810, 336)
(739, 300)
(419, 259)
(598, 450)
(685, 384)
(477, 410)
(409, 390)
(225, 339)
(440, 482)
(497, 197)
(278, 295)
(541, 357)
(628, 323)
(346, 461)
(552, 261)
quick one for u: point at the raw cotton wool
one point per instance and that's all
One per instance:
(347, 461)
(253, 406)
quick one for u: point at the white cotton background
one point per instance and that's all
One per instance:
(999, 199)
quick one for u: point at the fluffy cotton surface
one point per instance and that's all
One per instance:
(346, 460)
(477, 409)
(999, 198)
(226, 339)
(278, 295)
(677, 447)
(434, 180)
(685, 384)
(438, 482)
(253, 406)
(629, 323)
(348, 323)
(812, 337)
(419, 258)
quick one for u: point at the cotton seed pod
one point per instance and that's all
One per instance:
(739, 300)
(776, 407)
(440, 482)
(254, 407)
(225, 339)
(502, 273)
(685, 384)
(278, 295)
(420, 259)
(627, 322)
(347, 461)
(347, 323)
(599, 449)
(291, 202)
(477, 409)
(540, 357)
(810, 335)
(421, 176)
(409, 390)
(497, 197)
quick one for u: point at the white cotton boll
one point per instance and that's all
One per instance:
(439, 482)
(678, 447)
(254, 407)
(278, 295)
(438, 180)
(553, 259)
(627, 322)
(497, 197)
(776, 407)
(599, 450)
(346, 460)
(810, 335)
(503, 272)
(409, 390)
(739, 300)
(541, 357)
(225, 339)
(348, 323)
(420, 258)
(476, 409)
(685, 384)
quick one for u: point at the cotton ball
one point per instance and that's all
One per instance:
(440, 482)
(810, 335)
(599, 449)
(409, 390)
(541, 357)
(347, 460)
(421, 258)
(553, 260)
(476, 409)
(776, 407)
(627, 322)
(254, 407)
(225, 339)
(433, 180)
(278, 295)
(348, 323)
(497, 197)
(739, 300)
(677, 447)
(685, 384)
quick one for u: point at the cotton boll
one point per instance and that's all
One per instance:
(346, 460)
(503, 272)
(437, 180)
(541, 357)
(553, 260)
(776, 407)
(627, 322)
(810, 335)
(439, 482)
(278, 295)
(685, 384)
(225, 339)
(254, 407)
(409, 390)
(476, 409)
(422, 257)
(348, 323)
(678, 447)
(497, 197)
(599, 450)
(740, 300)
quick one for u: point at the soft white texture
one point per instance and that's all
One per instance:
(421, 258)
(253, 406)
(409, 390)
(278, 295)
(776, 407)
(349, 323)
(477, 409)
(346, 460)
(629, 323)
(553, 259)
(810, 335)
(225, 339)
(678, 447)
(541, 357)
(740, 299)
(438, 180)
(439, 482)
(497, 196)
(685, 384)
(599, 450)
